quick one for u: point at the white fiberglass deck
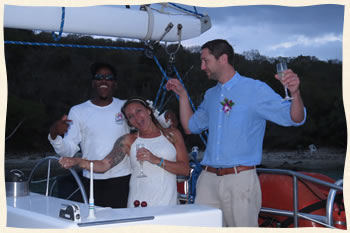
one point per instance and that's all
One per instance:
(39, 211)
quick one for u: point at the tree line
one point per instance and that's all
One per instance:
(44, 82)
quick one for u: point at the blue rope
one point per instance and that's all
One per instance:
(191, 102)
(160, 68)
(72, 45)
(160, 108)
(183, 84)
(114, 48)
(159, 90)
(61, 27)
(162, 86)
(184, 9)
(197, 169)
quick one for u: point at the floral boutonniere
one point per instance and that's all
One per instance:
(227, 105)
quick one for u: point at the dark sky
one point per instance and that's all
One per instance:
(315, 30)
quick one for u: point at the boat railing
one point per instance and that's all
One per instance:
(48, 178)
(327, 220)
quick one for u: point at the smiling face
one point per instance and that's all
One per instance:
(104, 88)
(138, 116)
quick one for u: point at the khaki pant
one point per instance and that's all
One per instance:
(237, 195)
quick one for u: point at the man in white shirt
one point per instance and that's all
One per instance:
(93, 127)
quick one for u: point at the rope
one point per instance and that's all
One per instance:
(161, 69)
(72, 45)
(177, 74)
(162, 100)
(197, 169)
(162, 86)
(61, 27)
(165, 77)
(179, 33)
(192, 105)
(159, 90)
(183, 84)
(189, 98)
(183, 9)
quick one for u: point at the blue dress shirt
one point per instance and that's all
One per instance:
(236, 138)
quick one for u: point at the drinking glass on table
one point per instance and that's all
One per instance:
(138, 147)
(281, 67)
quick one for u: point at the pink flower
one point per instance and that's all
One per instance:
(227, 106)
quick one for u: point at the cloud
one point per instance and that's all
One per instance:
(275, 31)
(301, 40)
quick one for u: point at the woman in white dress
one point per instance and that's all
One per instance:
(164, 155)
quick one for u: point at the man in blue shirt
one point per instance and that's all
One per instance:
(235, 111)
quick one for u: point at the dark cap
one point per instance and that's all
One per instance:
(98, 65)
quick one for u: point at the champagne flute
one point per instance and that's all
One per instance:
(281, 67)
(138, 147)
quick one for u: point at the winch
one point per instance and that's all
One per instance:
(17, 184)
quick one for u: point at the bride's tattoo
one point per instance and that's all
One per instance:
(118, 153)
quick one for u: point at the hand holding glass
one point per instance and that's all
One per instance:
(281, 67)
(138, 147)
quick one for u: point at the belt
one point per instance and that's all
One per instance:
(226, 171)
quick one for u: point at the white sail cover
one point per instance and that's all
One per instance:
(106, 21)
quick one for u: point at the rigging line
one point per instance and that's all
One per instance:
(161, 68)
(165, 76)
(183, 84)
(14, 131)
(172, 54)
(191, 102)
(166, 13)
(100, 47)
(188, 13)
(173, 93)
(57, 38)
(174, 14)
(72, 45)
(159, 90)
(162, 99)
(185, 10)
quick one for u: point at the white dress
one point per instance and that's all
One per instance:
(159, 187)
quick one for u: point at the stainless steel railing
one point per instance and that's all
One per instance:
(323, 220)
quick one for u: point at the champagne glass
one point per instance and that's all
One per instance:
(138, 147)
(281, 67)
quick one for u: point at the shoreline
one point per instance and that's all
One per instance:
(323, 158)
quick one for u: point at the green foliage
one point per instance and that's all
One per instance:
(44, 82)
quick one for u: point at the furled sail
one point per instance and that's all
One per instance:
(147, 24)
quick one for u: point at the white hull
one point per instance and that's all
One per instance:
(105, 21)
(39, 211)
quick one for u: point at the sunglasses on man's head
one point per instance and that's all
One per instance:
(104, 76)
